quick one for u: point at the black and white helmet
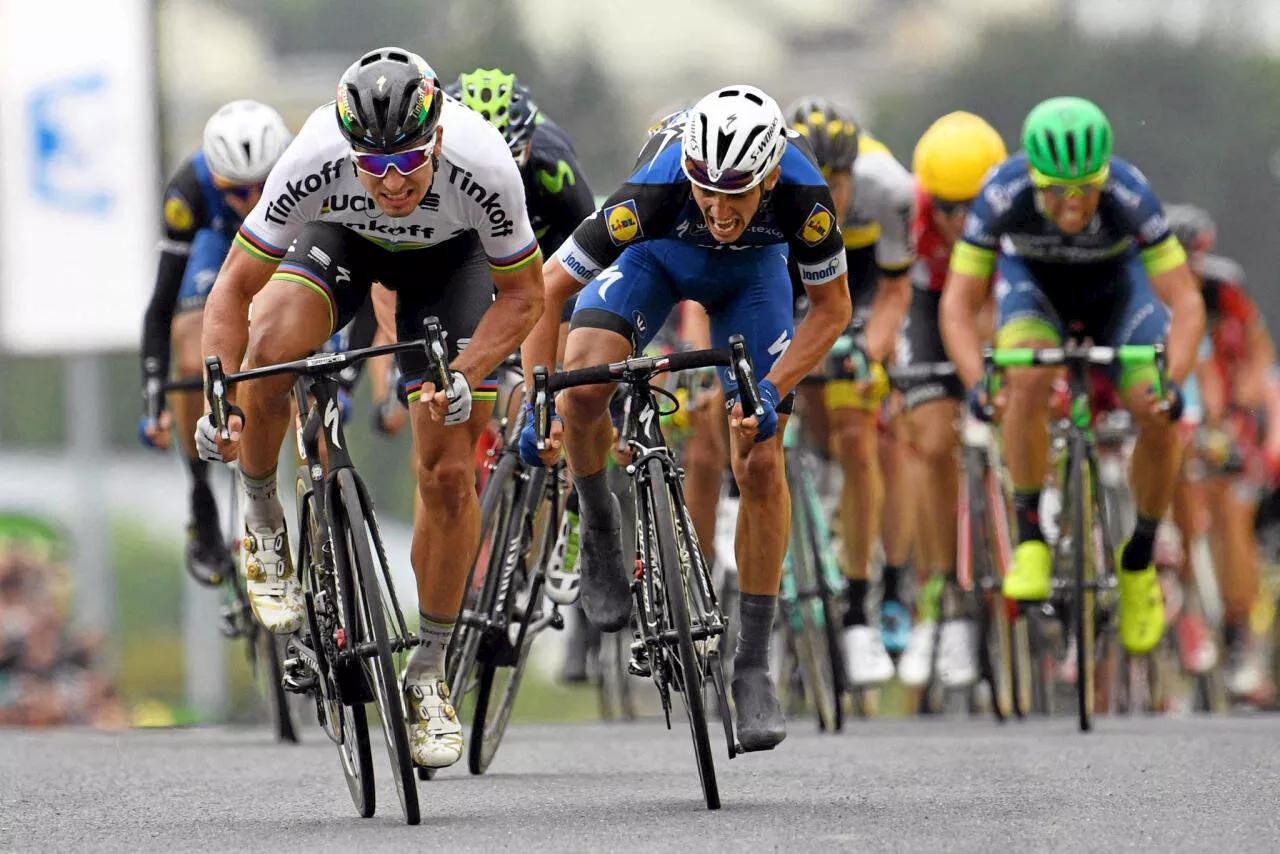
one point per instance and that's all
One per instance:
(733, 138)
(243, 140)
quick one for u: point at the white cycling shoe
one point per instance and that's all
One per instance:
(275, 593)
(435, 736)
(564, 581)
(917, 659)
(865, 659)
(958, 654)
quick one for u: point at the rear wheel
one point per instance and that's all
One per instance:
(689, 677)
(352, 548)
(1084, 570)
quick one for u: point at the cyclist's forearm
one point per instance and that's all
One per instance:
(507, 323)
(157, 323)
(892, 300)
(962, 299)
(829, 314)
(225, 330)
(1179, 290)
(539, 348)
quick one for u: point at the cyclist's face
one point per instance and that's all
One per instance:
(1071, 212)
(728, 214)
(243, 201)
(396, 194)
(948, 220)
(841, 184)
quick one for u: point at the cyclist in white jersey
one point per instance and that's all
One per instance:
(398, 191)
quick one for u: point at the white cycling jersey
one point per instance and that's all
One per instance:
(883, 206)
(477, 187)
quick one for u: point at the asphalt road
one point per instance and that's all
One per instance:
(951, 785)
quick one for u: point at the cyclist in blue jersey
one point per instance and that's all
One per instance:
(203, 207)
(712, 211)
(1076, 236)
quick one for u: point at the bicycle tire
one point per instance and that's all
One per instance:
(353, 545)
(826, 679)
(497, 501)
(808, 643)
(676, 595)
(1085, 576)
(995, 659)
(268, 651)
(354, 749)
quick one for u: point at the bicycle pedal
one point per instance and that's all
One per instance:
(557, 619)
(298, 679)
(637, 667)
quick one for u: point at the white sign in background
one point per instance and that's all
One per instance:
(78, 174)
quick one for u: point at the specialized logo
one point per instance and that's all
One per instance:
(607, 277)
(623, 222)
(817, 226)
(331, 419)
(177, 213)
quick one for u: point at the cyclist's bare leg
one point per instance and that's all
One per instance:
(764, 517)
(585, 409)
(897, 521)
(1025, 423)
(448, 510)
(289, 322)
(1235, 552)
(706, 453)
(933, 437)
(853, 436)
(1157, 455)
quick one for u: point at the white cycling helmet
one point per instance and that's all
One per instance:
(733, 138)
(243, 140)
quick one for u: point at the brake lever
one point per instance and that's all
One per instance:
(215, 393)
(437, 360)
(744, 373)
(541, 418)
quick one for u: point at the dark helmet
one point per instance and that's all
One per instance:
(829, 128)
(502, 100)
(388, 100)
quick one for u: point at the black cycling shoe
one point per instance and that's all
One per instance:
(606, 587)
(761, 725)
(208, 559)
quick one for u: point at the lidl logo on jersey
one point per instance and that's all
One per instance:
(623, 222)
(177, 213)
(817, 226)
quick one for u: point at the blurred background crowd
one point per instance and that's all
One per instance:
(104, 627)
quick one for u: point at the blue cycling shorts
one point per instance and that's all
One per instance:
(208, 251)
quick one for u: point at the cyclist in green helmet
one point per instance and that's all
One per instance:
(1076, 238)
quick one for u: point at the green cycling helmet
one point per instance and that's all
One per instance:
(1068, 139)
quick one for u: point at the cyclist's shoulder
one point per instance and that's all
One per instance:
(1007, 195)
(880, 181)
(799, 163)
(659, 164)
(549, 142)
(473, 145)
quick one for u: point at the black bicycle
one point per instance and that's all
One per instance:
(1084, 584)
(677, 620)
(356, 636)
(503, 612)
(263, 650)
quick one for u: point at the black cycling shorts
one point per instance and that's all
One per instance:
(920, 343)
(450, 280)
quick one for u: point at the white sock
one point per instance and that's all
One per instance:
(427, 659)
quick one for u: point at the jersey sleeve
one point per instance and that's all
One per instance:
(895, 250)
(185, 210)
(1141, 216)
(806, 217)
(499, 217)
(975, 252)
(644, 207)
(292, 196)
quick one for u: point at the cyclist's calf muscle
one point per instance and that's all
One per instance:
(764, 516)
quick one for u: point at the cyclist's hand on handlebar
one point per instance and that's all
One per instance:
(155, 434)
(438, 405)
(1167, 406)
(751, 429)
(529, 440)
(209, 444)
(389, 417)
(982, 406)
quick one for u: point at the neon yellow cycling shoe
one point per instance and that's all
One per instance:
(1029, 580)
(1141, 609)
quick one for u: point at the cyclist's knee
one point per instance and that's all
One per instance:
(759, 473)
(1029, 387)
(446, 482)
(583, 404)
(934, 437)
(853, 436)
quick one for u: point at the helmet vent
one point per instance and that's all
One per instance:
(1073, 162)
(723, 141)
(396, 56)
(751, 138)
(370, 59)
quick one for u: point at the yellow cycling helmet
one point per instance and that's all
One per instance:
(954, 155)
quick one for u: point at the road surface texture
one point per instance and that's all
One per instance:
(918, 786)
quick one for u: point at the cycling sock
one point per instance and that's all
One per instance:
(595, 501)
(204, 510)
(427, 659)
(1026, 510)
(856, 592)
(755, 614)
(890, 580)
(571, 503)
(1137, 554)
(262, 506)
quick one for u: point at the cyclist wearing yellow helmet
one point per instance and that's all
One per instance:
(950, 161)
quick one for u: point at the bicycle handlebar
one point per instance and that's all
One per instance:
(1129, 355)
(217, 381)
(640, 370)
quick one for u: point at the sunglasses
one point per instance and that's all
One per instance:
(730, 181)
(949, 208)
(239, 191)
(1069, 189)
(404, 162)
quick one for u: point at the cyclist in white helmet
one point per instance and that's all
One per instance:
(204, 204)
(729, 176)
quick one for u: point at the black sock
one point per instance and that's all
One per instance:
(204, 509)
(1137, 554)
(856, 593)
(595, 501)
(755, 616)
(571, 503)
(890, 578)
(1026, 510)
